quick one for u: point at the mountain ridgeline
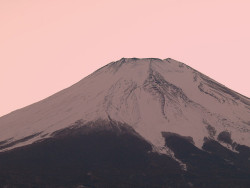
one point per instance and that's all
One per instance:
(132, 123)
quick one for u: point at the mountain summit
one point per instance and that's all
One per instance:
(161, 107)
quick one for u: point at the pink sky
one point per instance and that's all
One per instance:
(48, 45)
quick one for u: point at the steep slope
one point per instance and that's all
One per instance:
(150, 95)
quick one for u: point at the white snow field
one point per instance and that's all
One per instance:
(151, 95)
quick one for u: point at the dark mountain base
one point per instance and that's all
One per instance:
(94, 157)
(107, 154)
(214, 166)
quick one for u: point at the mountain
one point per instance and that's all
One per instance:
(132, 123)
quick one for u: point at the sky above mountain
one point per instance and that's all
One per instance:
(47, 45)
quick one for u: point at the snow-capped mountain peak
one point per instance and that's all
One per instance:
(150, 95)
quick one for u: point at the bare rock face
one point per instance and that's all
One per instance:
(225, 137)
(155, 122)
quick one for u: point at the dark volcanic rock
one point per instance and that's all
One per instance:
(93, 157)
(215, 166)
(225, 137)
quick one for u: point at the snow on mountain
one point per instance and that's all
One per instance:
(151, 95)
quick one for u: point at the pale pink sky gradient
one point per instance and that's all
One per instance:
(47, 45)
